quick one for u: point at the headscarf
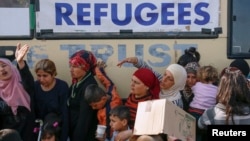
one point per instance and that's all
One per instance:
(84, 58)
(192, 67)
(12, 91)
(150, 80)
(180, 77)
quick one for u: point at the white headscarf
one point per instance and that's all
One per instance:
(180, 76)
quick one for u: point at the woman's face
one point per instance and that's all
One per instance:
(167, 80)
(45, 79)
(191, 79)
(5, 71)
(77, 72)
(138, 88)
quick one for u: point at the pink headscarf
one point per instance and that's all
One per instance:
(12, 91)
(150, 80)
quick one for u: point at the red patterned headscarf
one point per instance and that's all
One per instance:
(84, 58)
(150, 80)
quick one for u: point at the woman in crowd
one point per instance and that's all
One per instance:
(171, 82)
(233, 100)
(144, 86)
(187, 94)
(16, 95)
(82, 118)
(204, 94)
(190, 60)
(51, 94)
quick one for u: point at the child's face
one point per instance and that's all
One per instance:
(49, 138)
(117, 124)
(100, 104)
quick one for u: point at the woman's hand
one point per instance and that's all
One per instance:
(21, 51)
(101, 64)
(132, 60)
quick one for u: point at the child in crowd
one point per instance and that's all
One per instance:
(51, 130)
(119, 120)
(204, 94)
(204, 90)
(102, 101)
(233, 100)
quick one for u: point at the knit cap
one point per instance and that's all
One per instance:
(242, 65)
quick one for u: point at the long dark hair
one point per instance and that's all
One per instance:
(233, 92)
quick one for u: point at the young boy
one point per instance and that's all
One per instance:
(119, 119)
(101, 100)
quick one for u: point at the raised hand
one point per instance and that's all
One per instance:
(21, 51)
(101, 64)
(132, 60)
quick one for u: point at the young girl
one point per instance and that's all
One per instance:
(204, 94)
(204, 90)
(51, 130)
(233, 101)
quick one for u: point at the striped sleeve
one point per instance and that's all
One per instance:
(143, 64)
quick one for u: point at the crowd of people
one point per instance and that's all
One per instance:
(48, 109)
